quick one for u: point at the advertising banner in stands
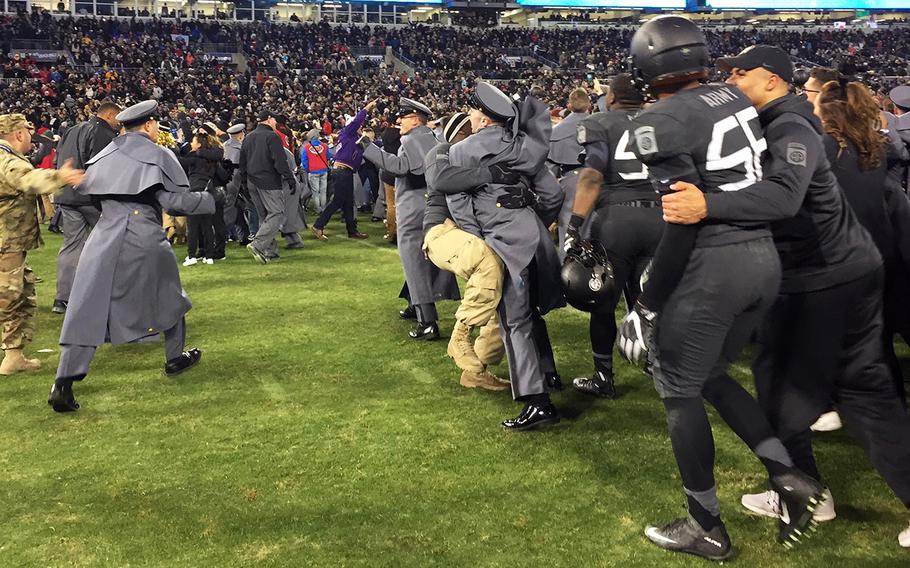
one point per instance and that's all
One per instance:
(221, 56)
(39, 55)
(675, 4)
(811, 4)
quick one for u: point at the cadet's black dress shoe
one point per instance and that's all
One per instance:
(409, 313)
(532, 416)
(600, 385)
(59, 307)
(425, 331)
(180, 364)
(62, 399)
(554, 383)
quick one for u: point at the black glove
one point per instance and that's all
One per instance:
(503, 176)
(573, 241)
(229, 166)
(573, 234)
(634, 337)
(517, 197)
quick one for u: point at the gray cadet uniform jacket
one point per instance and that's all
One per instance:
(232, 189)
(426, 283)
(899, 137)
(518, 236)
(564, 155)
(127, 285)
(292, 219)
(564, 146)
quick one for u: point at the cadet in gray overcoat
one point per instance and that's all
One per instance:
(127, 286)
(425, 282)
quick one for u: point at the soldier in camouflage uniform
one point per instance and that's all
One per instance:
(20, 184)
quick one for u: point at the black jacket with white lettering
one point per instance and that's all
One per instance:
(820, 241)
(710, 136)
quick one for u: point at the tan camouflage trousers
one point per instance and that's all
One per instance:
(468, 257)
(18, 300)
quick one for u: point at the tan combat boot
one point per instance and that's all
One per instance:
(14, 361)
(483, 380)
(488, 346)
(462, 350)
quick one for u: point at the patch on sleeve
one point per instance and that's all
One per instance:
(796, 154)
(581, 134)
(646, 140)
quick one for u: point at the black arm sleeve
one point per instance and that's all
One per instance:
(665, 167)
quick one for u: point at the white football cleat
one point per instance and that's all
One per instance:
(190, 261)
(767, 504)
(904, 537)
(827, 422)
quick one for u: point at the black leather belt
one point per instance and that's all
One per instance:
(644, 203)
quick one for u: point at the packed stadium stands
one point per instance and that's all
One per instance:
(317, 72)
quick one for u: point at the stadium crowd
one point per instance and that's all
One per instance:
(315, 66)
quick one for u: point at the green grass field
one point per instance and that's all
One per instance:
(314, 433)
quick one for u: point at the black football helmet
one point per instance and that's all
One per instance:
(667, 49)
(587, 276)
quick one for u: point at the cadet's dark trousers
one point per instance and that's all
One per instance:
(200, 236)
(76, 223)
(521, 337)
(342, 180)
(75, 359)
(826, 345)
(630, 235)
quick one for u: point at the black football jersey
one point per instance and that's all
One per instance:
(607, 141)
(709, 136)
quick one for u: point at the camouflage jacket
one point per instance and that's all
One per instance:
(20, 183)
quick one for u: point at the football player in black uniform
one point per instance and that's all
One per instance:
(628, 218)
(821, 340)
(729, 277)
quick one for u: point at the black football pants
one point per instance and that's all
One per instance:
(827, 345)
(630, 235)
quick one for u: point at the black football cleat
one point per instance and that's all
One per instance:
(62, 399)
(409, 313)
(59, 307)
(532, 416)
(425, 331)
(600, 384)
(799, 494)
(186, 360)
(554, 383)
(686, 535)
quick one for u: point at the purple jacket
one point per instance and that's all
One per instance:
(347, 151)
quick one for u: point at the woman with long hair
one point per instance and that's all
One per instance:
(857, 150)
(202, 163)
